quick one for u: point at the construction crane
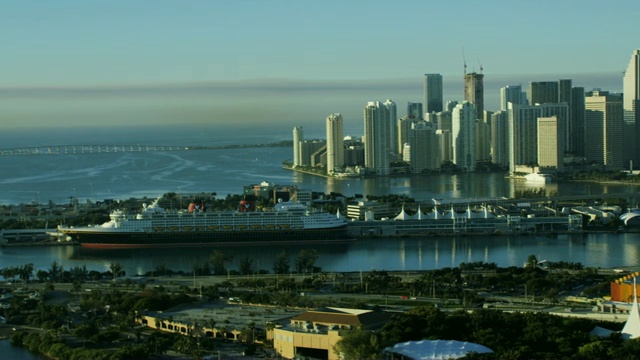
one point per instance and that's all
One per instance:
(464, 61)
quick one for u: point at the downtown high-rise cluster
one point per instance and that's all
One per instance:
(551, 126)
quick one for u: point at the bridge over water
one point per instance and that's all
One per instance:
(89, 149)
(98, 149)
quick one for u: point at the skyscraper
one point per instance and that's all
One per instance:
(433, 98)
(500, 138)
(564, 91)
(631, 108)
(335, 143)
(391, 118)
(483, 140)
(376, 146)
(512, 94)
(542, 92)
(575, 129)
(423, 147)
(463, 135)
(474, 91)
(414, 110)
(523, 130)
(604, 129)
(403, 127)
(550, 143)
(298, 137)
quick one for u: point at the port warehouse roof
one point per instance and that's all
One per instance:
(350, 317)
(236, 316)
(468, 201)
(436, 349)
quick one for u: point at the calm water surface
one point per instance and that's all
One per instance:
(41, 178)
(595, 250)
(120, 175)
(9, 352)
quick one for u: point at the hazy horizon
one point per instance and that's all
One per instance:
(283, 63)
(277, 103)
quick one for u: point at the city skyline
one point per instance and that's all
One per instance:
(124, 62)
(543, 134)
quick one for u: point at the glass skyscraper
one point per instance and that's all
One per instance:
(433, 98)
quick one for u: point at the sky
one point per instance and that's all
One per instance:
(139, 61)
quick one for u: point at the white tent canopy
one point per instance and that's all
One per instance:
(436, 349)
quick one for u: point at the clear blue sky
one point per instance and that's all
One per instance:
(122, 42)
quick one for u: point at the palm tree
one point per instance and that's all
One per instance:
(116, 269)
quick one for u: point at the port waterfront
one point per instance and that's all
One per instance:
(385, 250)
(511, 302)
(406, 257)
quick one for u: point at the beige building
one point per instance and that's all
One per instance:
(315, 333)
(550, 143)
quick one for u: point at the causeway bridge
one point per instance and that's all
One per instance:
(89, 149)
(98, 149)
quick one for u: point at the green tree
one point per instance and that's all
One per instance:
(25, 272)
(79, 273)
(42, 275)
(282, 264)
(379, 281)
(219, 261)
(306, 260)
(55, 271)
(246, 266)
(597, 350)
(359, 344)
(116, 269)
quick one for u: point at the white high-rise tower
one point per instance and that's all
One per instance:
(335, 143)
(512, 94)
(298, 137)
(463, 135)
(631, 108)
(376, 138)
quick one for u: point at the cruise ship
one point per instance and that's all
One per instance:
(153, 226)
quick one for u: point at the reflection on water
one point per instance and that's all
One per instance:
(403, 254)
(9, 351)
(424, 187)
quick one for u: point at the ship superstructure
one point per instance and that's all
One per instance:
(153, 226)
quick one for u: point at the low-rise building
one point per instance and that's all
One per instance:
(315, 333)
(360, 209)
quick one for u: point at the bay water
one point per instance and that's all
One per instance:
(120, 175)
